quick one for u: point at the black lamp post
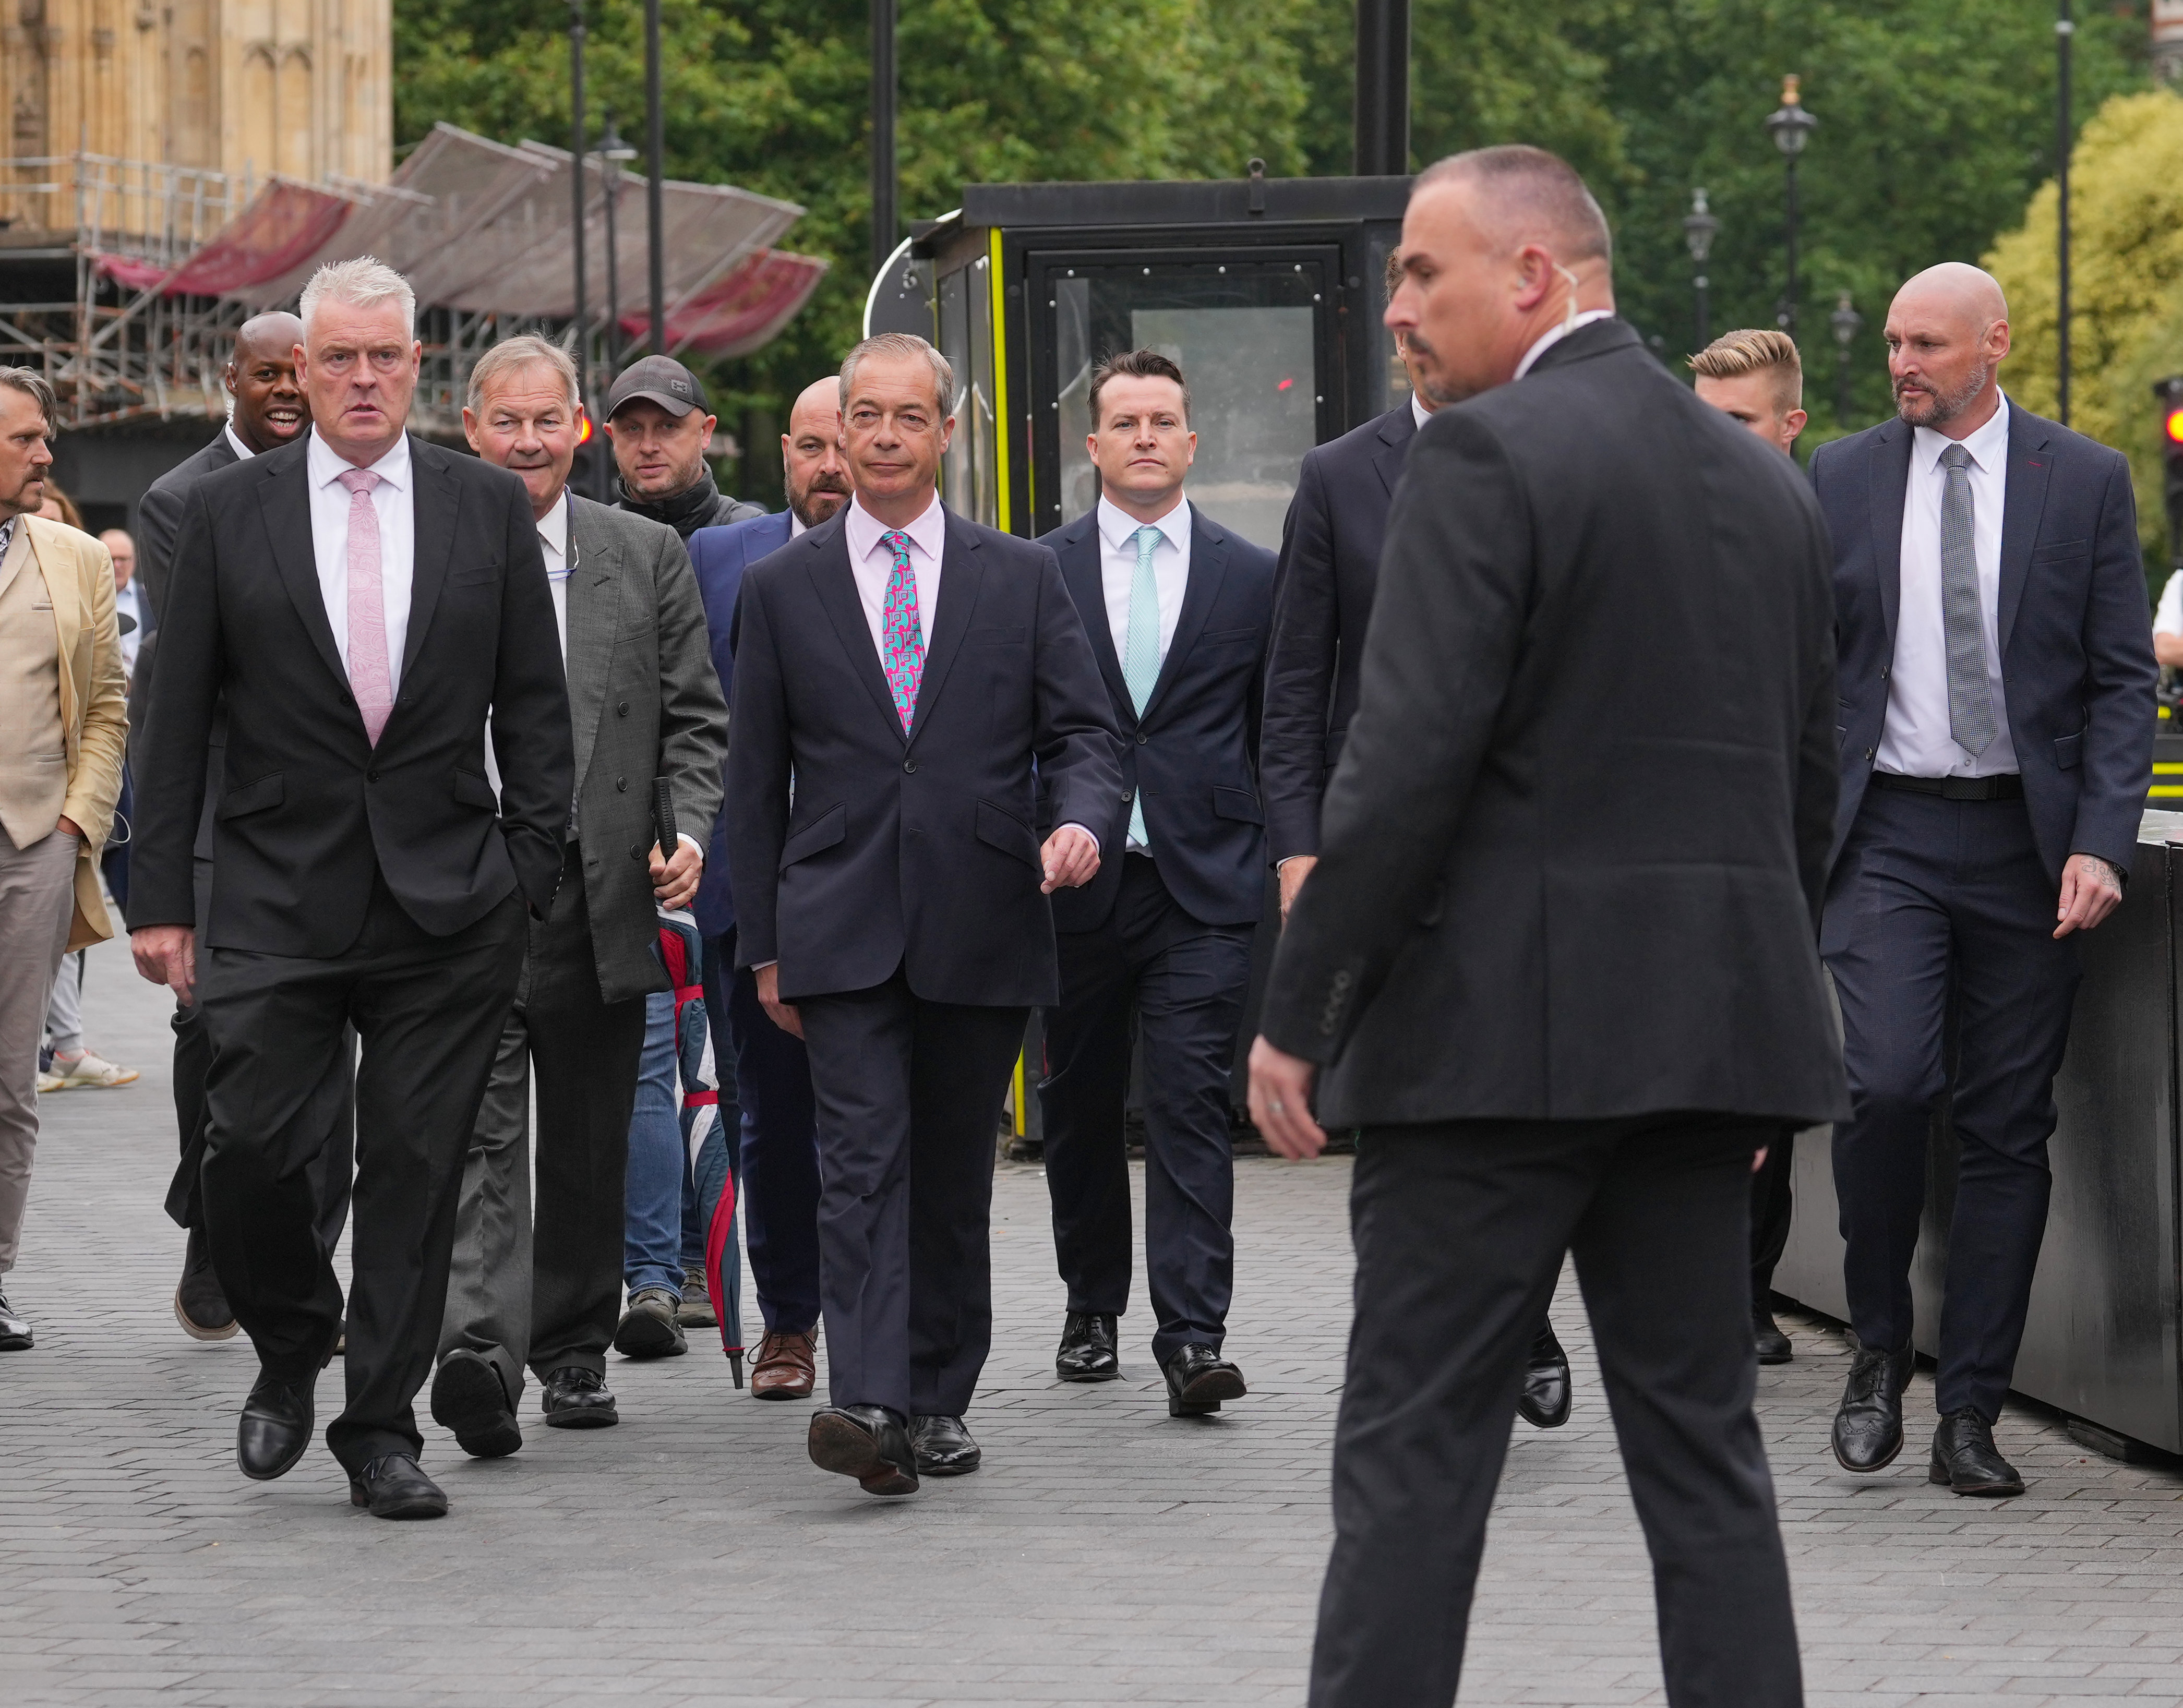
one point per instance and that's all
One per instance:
(884, 184)
(1846, 321)
(2065, 29)
(1700, 227)
(613, 155)
(581, 314)
(655, 113)
(1791, 127)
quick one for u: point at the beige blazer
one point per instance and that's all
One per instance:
(78, 578)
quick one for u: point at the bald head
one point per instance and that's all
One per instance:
(261, 377)
(1947, 334)
(816, 477)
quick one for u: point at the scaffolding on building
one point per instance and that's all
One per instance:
(123, 281)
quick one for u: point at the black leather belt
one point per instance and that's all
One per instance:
(2007, 786)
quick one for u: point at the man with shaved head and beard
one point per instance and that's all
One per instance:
(266, 411)
(1995, 737)
(772, 1075)
(1556, 963)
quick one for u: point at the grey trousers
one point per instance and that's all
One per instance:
(37, 891)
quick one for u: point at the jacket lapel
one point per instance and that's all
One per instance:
(435, 499)
(1398, 427)
(594, 592)
(1890, 484)
(1086, 578)
(1208, 565)
(961, 573)
(284, 503)
(18, 553)
(836, 588)
(2023, 499)
(64, 592)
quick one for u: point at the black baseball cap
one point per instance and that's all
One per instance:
(663, 379)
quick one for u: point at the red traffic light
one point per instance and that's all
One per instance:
(2174, 425)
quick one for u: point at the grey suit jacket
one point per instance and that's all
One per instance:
(643, 702)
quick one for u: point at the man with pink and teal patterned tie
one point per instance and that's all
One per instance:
(912, 694)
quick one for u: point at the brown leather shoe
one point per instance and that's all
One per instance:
(786, 1368)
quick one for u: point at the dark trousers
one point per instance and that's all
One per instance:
(1151, 970)
(909, 1096)
(429, 1010)
(778, 1137)
(1937, 906)
(1773, 1209)
(1459, 1229)
(332, 1104)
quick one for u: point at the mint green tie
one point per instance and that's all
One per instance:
(1140, 659)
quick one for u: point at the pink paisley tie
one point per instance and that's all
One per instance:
(902, 648)
(369, 677)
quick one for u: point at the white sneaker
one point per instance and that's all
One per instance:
(50, 1083)
(93, 1070)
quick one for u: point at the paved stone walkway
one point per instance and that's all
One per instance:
(1105, 1554)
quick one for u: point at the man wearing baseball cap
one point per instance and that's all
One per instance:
(659, 423)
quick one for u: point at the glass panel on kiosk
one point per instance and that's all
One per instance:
(1249, 335)
(968, 481)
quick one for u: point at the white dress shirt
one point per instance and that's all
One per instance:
(871, 561)
(796, 528)
(1418, 412)
(1915, 741)
(1554, 337)
(1118, 570)
(2169, 618)
(553, 542)
(391, 500)
(235, 442)
(127, 604)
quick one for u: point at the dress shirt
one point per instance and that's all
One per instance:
(871, 561)
(235, 442)
(127, 604)
(2169, 619)
(1915, 741)
(1554, 337)
(553, 542)
(398, 548)
(1117, 568)
(796, 528)
(1418, 412)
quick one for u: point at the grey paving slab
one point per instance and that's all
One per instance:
(1105, 1554)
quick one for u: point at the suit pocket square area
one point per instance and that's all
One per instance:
(477, 576)
(253, 797)
(2069, 751)
(998, 828)
(822, 833)
(994, 634)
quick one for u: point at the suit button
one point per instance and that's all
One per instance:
(347, 698)
(1883, 672)
(621, 785)
(1142, 739)
(371, 776)
(1868, 752)
(622, 710)
(1128, 795)
(910, 766)
(635, 852)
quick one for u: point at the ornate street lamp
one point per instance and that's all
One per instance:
(1791, 127)
(1846, 321)
(1700, 228)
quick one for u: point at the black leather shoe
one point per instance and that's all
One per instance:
(201, 1304)
(469, 1400)
(943, 1447)
(1198, 1379)
(276, 1427)
(15, 1334)
(1964, 1458)
(392, 1487)
(1773, 1346)
(575, 1398)
(868, 1442)
(1088, 1351)
(1543, 1401)
(1868, 1430)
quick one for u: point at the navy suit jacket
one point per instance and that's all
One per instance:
(719, 556)
(911, 850)
(1329, 566)
(1194, 751)
(2076, 644)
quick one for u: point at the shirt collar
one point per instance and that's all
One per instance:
(235, 441)
(1418, 412)
(1555, 336)
(1988, 445)
(928, 533)
(796, 528)
(554, 529)
(1117, 527)
(327, 465)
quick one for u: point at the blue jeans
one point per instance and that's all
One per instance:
(653, 1187)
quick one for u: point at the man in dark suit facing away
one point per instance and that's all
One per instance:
(1995, 736)
(1556, 962)
(1177, 609)
(1329, 566)
(907, 683)
(269, 412)
(358, 600)
(772, 1072)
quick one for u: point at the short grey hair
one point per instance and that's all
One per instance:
(364, 282)
(1536, 194)
(898, 346)
(512, 355)
(39, 390)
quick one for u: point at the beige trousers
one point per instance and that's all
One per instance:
(37, 897)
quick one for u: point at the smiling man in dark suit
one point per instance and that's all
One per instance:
(358, 600)
(891, 892)
(1996, 744)
(1177, 608)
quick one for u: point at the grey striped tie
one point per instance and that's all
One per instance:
(1970, 700)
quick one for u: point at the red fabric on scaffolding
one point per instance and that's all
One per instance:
(742, 308)
(284, 224)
